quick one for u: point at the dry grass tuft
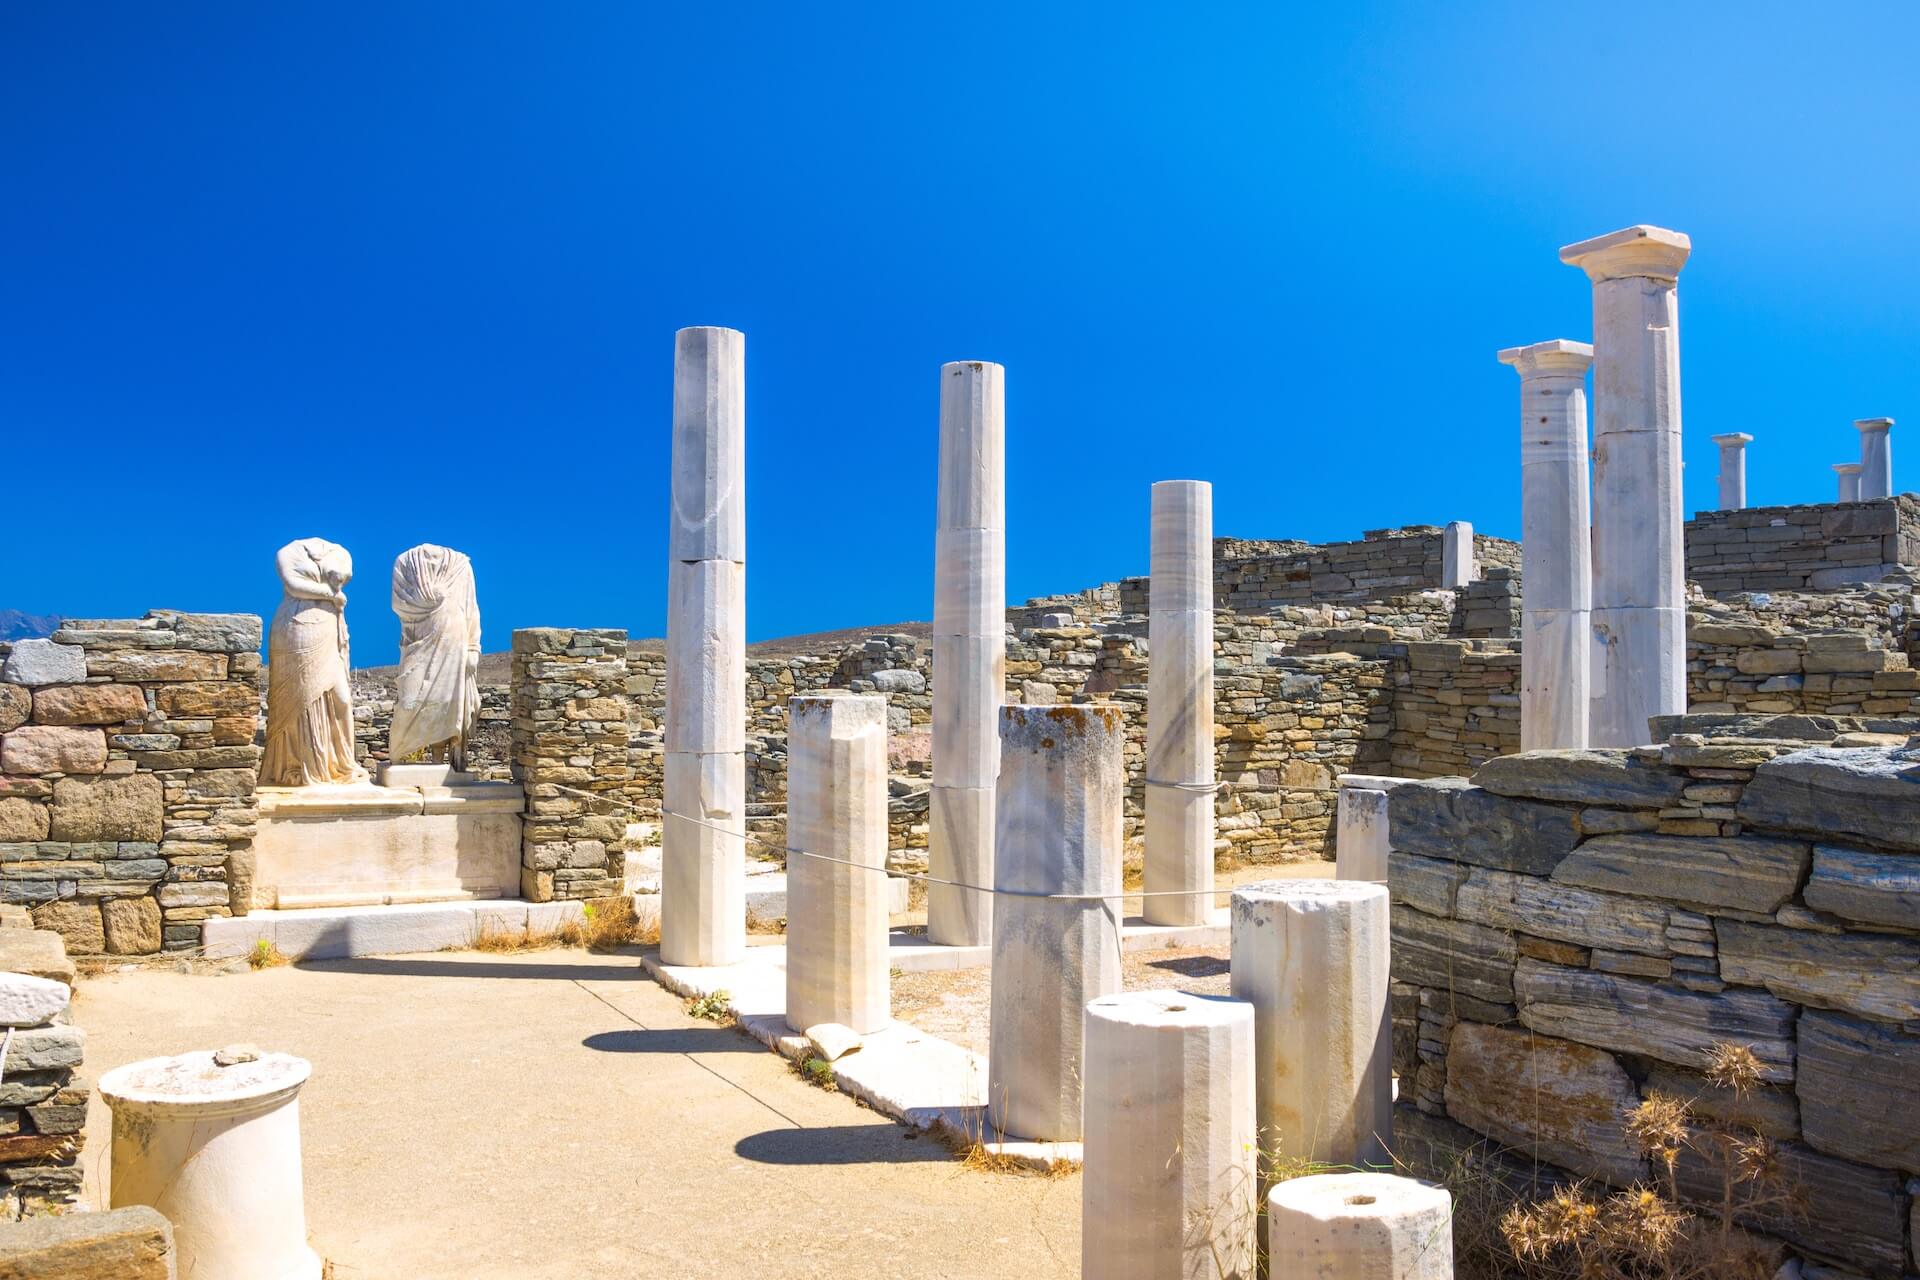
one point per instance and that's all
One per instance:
(264, 955)
(611, 923)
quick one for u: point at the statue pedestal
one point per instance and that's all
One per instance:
(447, 838)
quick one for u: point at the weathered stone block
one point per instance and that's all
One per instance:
(27, 1001)
(22, 820)
(1747, 873)
(1876, 888)
(1612, 777)
(1875, 976)
(132, 926)
(1769, 1109)
(85, 704)
(207, 698)
(1856, 1077)
(135, 1243)
(124, 808)
(38, 952)
(1426, 884)
(1447, 818)
(37, 748)
(137, 665)
(1452, 955)
(1528, 904)
(234, 633)
(16, 705)
(1835, 1207)
(1632, 1015)
(55, 1048)
(37, 662)
(77, 923)
(1565, 1103)
(1870, 793)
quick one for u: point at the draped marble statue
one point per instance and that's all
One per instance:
(309, 700)
(438, 697)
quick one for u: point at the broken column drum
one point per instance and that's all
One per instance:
(1057, 830)
(703, 870)
(1639, 574)
(216, 1148)
(1310, 956)
(1555, 543)
(1458, 563)
(837, 914)
(969, 649)
(1359, 1226)
(1168, 1187)
(1733, 469)
(1848, 474)
(1876, 457)
(1361, 832)
(1179, 763)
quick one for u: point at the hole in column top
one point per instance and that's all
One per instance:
(1359, 1199)
(1176, 1008)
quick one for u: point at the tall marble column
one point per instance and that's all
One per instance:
(1848, 474)
(1179, 768)
(703, 889)
(1555, 544)
(1058, 831)
(1733, 469)
(1876, 458)
(969, 648)
(1458, 564)
(1639, 569)
(836, 913)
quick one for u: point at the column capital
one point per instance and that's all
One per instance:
(1559, 357)
(1733, 437)
(1873, 424)
(1847, 468)
(1651, 252)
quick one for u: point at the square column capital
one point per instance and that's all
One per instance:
(1654, 253)
(1735, 439)
(1559, 357)
(1873, 424)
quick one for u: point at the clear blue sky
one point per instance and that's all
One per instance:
(397, 273)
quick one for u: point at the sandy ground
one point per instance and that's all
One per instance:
(555, 1114)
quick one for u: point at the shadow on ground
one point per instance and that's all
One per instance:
(674, 1040)
(421, 967)
(840, 1144)
(1193, 966)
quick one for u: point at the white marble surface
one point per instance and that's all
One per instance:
(1179, 815)
(1733, 469)
(1359, 1226)
(1459, 565)
(1876, 457)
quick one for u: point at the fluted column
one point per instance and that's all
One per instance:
(1639, 570)
(1179, 825)
(969, 648)
(1555, 544)
(703, 872)
(1733, 469)
(1876, 457)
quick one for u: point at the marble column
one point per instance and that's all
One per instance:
(1733, 469)
(1179, 764)
(969, 648)
(1310, 956)
(1639, 570)
(703, 873)
(837, 914)
(1361, 832)
(1057, 830)
(1876, 458)
(1359, 1226)
(1458, 564)
(1848, 474)
(1556, 578)
(1168, 1189)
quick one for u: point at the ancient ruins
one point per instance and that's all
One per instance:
(1623, 812)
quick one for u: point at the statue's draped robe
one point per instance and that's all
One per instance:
(309, 699)
(438, 697)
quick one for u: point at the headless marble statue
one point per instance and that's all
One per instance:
(438, 696)
(309, 700)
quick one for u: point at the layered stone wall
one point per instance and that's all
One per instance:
(1746, 668)
(127, 776)
(570, 754)
(42, 1107)
(1576, 931)
(1803, 548)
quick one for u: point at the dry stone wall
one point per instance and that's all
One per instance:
(127, 776)
(570, 755)
(1804, 548)
(42, 1106)
(1574, 931)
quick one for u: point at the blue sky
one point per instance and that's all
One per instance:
(396, 273)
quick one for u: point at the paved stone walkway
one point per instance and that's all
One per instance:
(556, 1114)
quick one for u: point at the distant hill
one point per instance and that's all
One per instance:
(495, 667)
(15, 625)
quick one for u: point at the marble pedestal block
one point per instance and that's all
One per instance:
(1180, 761)
(1733, 469)
(1058, 830)
(1555, 546)
(1458, 563)
(1361, 836)
(1639, 572)
(216, 1149)
(1876, 457)
(1168, 1188)
(969, 647)
(1310, 956)
(837, 915)
(1848, 474)
(1359, 1226)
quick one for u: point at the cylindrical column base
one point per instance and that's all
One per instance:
(837, 914)
(1359, 1226)
(1311, 957)
(216, 1148)
(1169, 1184)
